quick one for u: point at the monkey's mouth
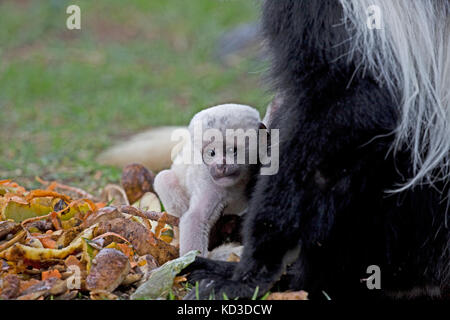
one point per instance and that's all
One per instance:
(226, 176)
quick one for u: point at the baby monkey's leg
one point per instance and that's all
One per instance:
(205, 209)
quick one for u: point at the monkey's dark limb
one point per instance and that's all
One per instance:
(203, 268)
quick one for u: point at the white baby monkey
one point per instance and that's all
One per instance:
(212, 174)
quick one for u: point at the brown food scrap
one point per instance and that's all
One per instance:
(34, 241)
(51, 274)
(296, 295)
(79, 193)
(45, 193)
(72, 261)
(161, 223)
(102, 295)
(136, 181)
(55, 221)
(146, 265)
(24, 285)
(109, 269)
(114, 195)
(4, 266)
(126, 250)
(42, 225)
(48, 242)
(139, 213)
(68, 236)
(17, 238)
(147, 262)
(55, 234)
(32, 271)
(51, 286)
(69, 295)
(73, 270)
(179, 279)
(7, 227)
(131, 278)
(152, 215)
(141, 238)
(103, 214)
(10, 288)
(71, 223)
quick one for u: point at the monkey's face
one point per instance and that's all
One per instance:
(222, 164)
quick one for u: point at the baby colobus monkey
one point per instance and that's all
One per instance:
(200, 192)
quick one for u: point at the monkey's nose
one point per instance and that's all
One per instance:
(221, 168)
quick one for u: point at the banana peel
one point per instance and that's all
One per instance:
(18, 210)
(19, 251)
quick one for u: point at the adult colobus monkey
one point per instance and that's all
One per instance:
(364, 154)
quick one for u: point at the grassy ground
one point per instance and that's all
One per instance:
(66, 95)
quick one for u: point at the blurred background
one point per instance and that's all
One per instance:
(66, 95)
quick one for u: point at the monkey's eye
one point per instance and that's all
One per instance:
(211, 152)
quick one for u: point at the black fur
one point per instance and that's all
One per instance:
(226, 230)
(329, 195)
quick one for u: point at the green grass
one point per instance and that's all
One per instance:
(66, 95)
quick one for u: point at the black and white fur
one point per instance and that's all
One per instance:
(364, 155)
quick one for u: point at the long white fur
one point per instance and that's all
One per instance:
(411, 56)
